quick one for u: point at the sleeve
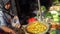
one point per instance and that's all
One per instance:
(2, 22)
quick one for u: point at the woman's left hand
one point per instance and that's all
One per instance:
(17, 25)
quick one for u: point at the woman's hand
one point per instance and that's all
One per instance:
(17, 25)
(6, 29)
(12, 32)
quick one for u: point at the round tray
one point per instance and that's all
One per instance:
(42, 23)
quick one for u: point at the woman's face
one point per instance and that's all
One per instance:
(7, 6)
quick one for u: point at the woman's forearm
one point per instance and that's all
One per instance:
(6, 29)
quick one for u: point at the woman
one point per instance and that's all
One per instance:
(5, 4)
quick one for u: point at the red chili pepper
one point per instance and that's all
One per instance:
(31, 20)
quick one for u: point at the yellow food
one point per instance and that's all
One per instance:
(36, 27)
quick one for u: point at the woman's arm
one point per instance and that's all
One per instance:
(3, 24)
(6, 29)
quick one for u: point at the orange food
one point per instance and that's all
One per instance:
(36, 27)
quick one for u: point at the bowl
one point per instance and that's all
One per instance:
(37, 25)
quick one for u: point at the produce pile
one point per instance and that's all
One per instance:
(36, 27)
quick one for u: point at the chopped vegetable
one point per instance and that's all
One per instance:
(36, 27)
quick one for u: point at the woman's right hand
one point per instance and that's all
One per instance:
(12, 32)
(6, 29)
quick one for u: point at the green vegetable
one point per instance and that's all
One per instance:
(47, 15)
(53, 32)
